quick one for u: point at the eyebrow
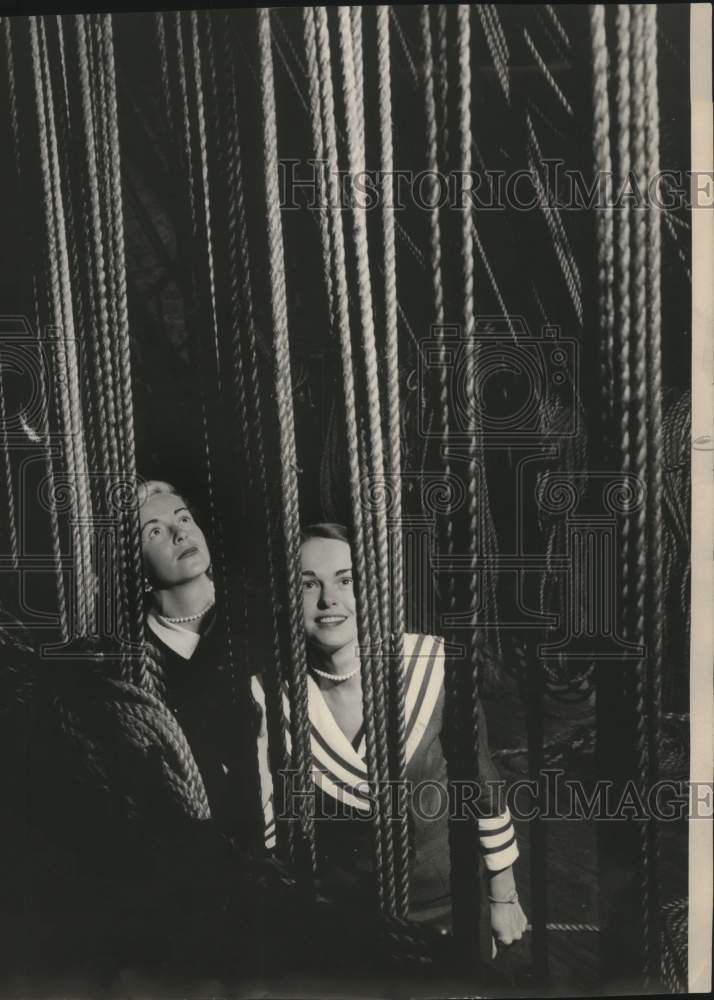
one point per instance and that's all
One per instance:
(155, 520)
(338, 572)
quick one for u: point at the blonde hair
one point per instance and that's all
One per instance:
(154, 487)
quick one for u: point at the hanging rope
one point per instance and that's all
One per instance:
(447, 540)
(396, 659)
(291, 513)
(9, 477)
(61, 313)
(130, 526)
(319, 16)
(102, 288)
(622, 385)
(313, 78)
(641, 461)
(377, 581)
(69, 367)
(655, 492)
(654, 609)
(636, 408)
(250, 417)
(605, 222)
(475, 466)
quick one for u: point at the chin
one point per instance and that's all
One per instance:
(334, 640)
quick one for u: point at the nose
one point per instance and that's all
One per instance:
(327, 598)
(180, 533)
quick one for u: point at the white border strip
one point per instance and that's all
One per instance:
(702, 635)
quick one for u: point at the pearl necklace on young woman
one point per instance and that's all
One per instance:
(337, 678)
(189, 618)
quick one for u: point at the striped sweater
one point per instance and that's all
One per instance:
(339, 772)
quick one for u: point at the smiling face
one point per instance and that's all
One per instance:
(328, 595)
(173, 545)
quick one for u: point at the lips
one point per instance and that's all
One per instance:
(192, 550)
(330, 621)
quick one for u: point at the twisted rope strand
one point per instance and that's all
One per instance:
(131, 525)
(654, 610)
(605, 221)
(58, 303)
(82, 527)
(291, 514)
(375, 457)
(396, 650)
(343, 325)
(316, 117)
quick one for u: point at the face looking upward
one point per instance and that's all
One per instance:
(173, 545)
(328, 595)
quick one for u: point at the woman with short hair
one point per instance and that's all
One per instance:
(339, 765)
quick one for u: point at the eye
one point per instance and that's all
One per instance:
(155, 531)
(309, 584)
(347, 580)
(185, 518)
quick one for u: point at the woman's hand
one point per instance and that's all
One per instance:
(508, 921)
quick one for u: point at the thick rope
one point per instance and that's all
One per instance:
(622, 390)
(100, 119)
(605, 222)
(68, 370)
(61, 305)
(655, 448)
(396, 660)
(131, 529)
(639, 440)
(356, 22)
(291, 513)
(442, 81)
(475, 462)
(9, 478)
(372, 472)
(316, 113)
(343, 327)
(83, 267)
(251, 420)
(654, 376)
(375, 451)
(433, 169)
(202, 203)
(108, 409)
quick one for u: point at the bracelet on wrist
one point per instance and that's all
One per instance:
(512, 897)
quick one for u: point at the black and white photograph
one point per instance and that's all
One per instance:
(356, 501)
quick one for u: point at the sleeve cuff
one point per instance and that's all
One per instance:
(497, 838)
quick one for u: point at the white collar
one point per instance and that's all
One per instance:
(182, 640)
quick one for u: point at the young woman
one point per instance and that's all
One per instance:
(188, 660)
(187, 654)
(338, 747)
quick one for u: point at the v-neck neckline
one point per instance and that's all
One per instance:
(323, 713)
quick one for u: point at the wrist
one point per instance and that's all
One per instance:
(510, 898)
(501, 883)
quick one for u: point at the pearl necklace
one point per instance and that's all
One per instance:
(189, 618)
(337, 678)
